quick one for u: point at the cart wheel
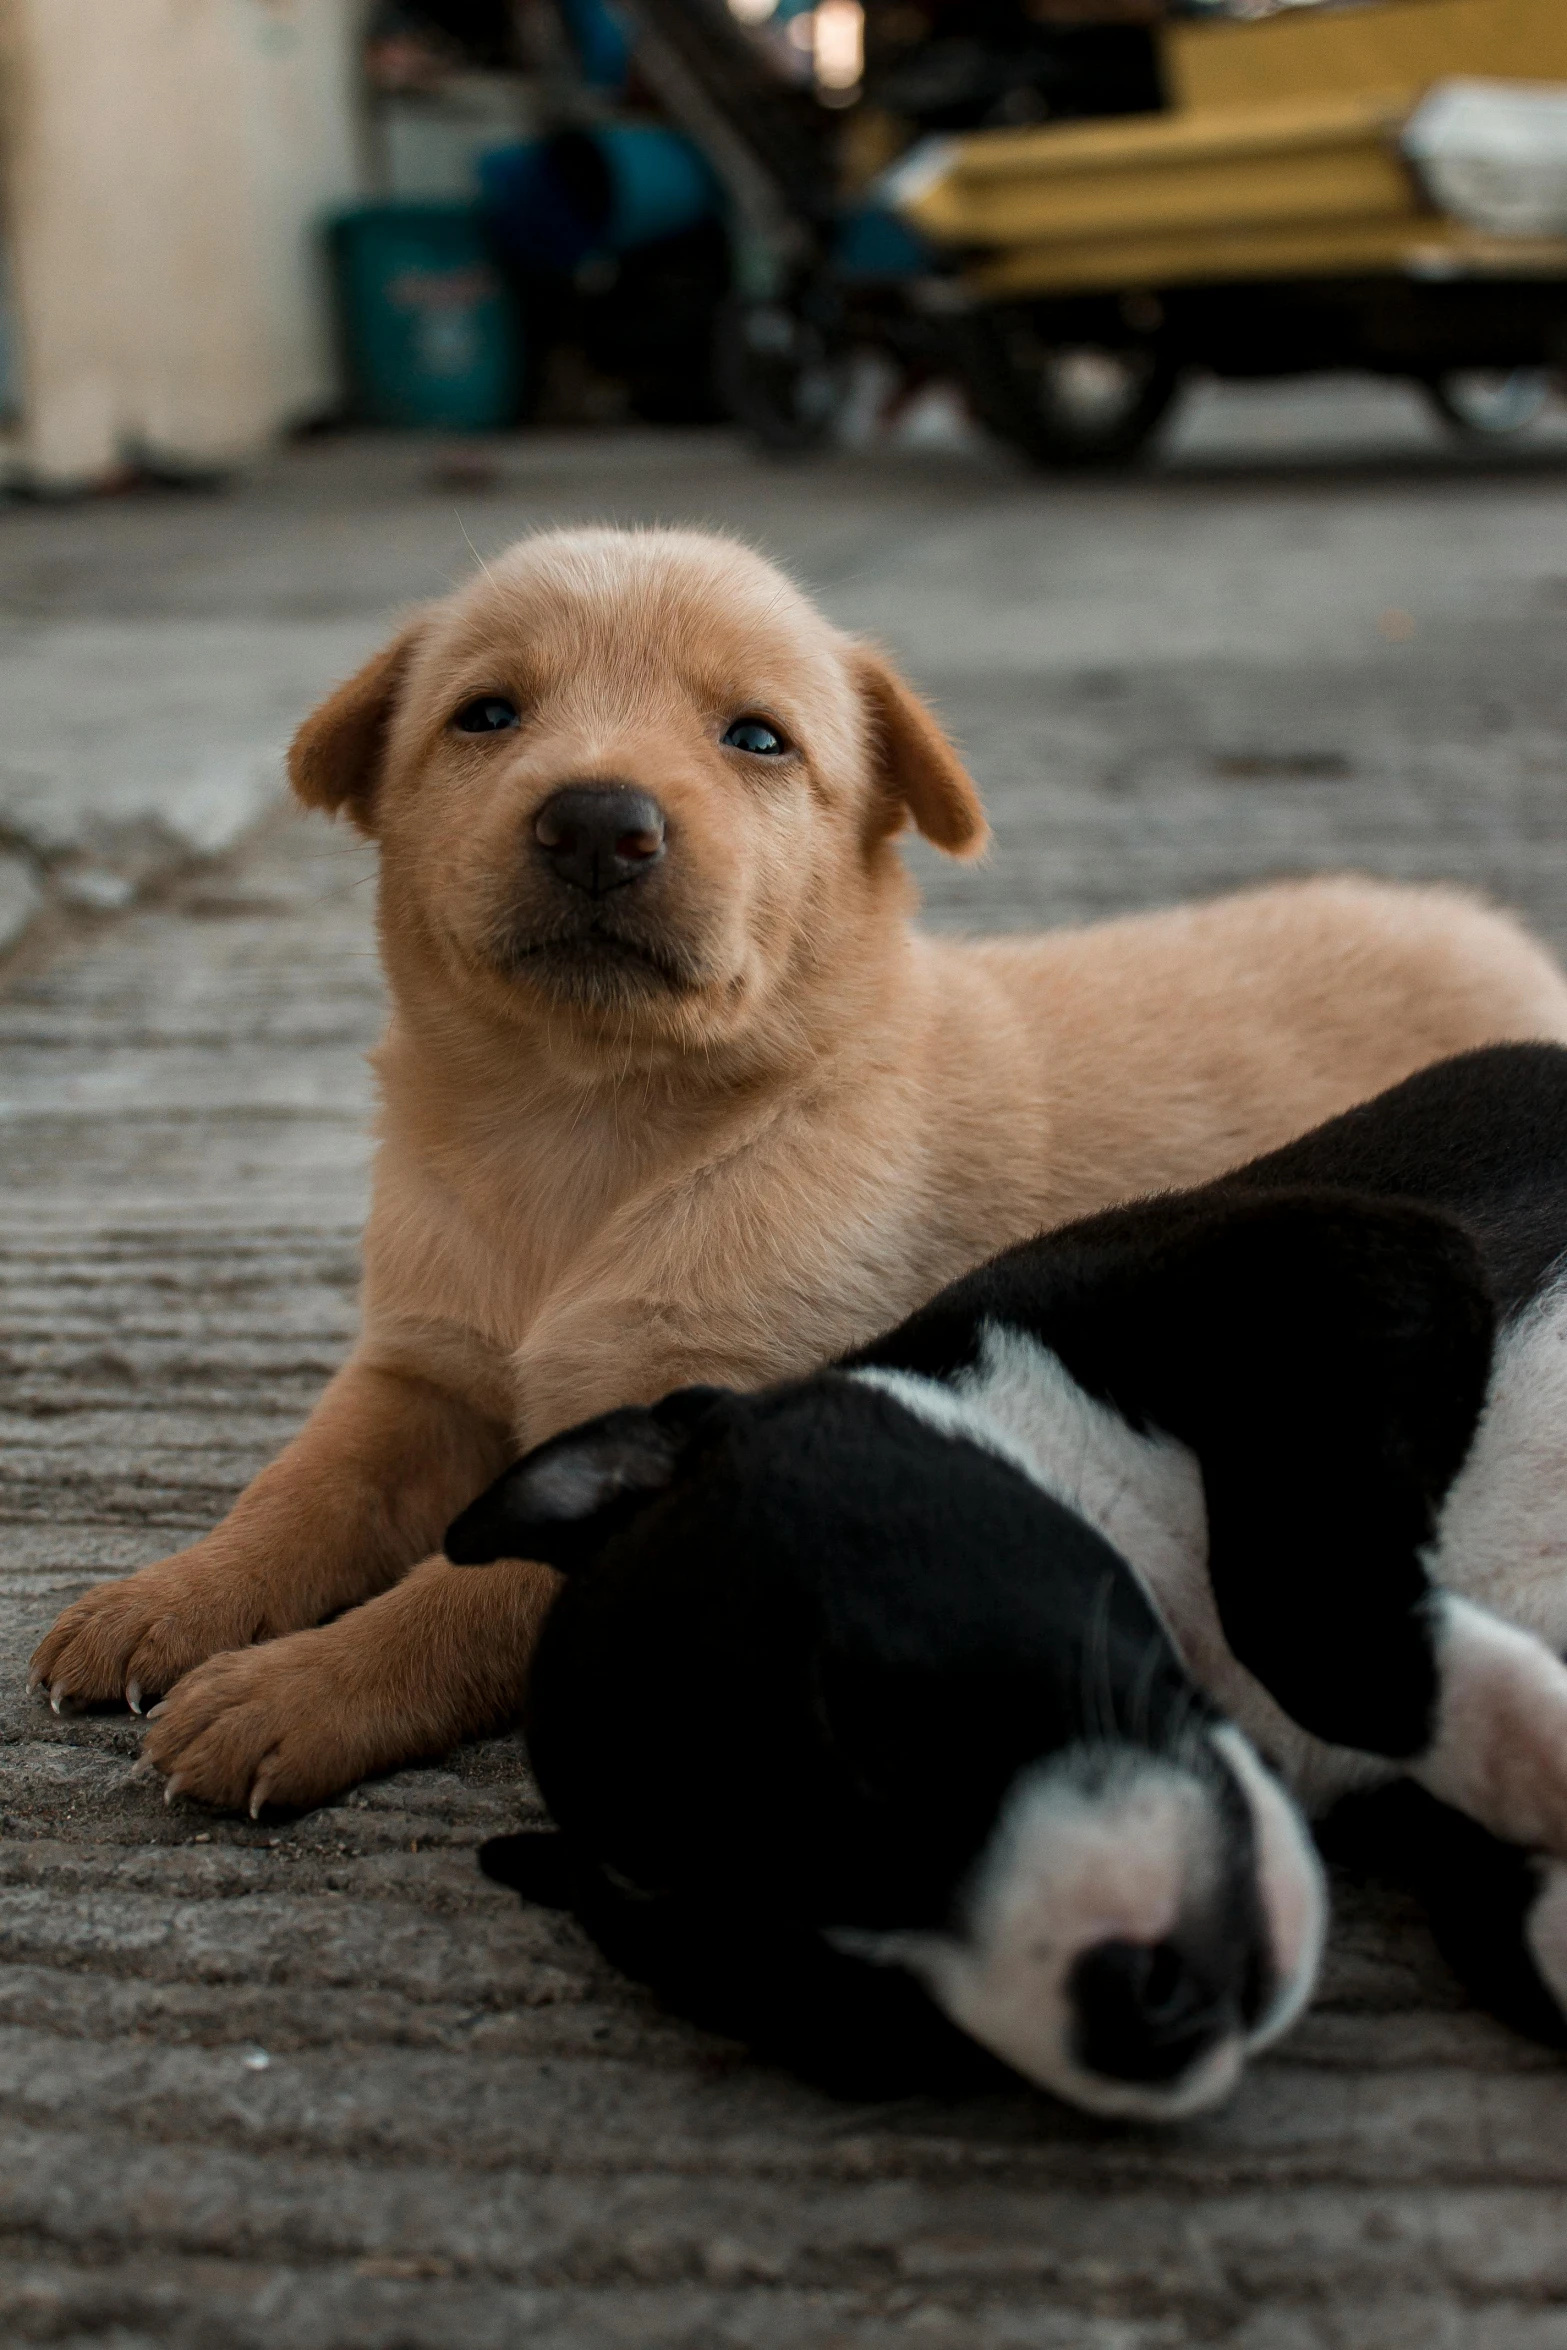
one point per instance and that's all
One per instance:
(783, 373)
(1066, 404)
(1488, 403)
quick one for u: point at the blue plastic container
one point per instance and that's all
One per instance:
(660, 183)
(429, 327)
(872, 243)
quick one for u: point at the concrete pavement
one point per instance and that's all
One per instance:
(315, 2085)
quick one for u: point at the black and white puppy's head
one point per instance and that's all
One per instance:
(828, 1767)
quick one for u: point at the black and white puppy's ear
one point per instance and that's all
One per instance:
(1329, 1360)
(562, 1502)
(1326, 1356)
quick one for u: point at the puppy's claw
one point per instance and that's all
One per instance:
(259, 1796)
(153, 1711)
(57, 1698)
(133, 1696)
(173, 1788)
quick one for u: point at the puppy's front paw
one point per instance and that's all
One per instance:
(277, 1724)
(1500, 1750)
(137, 1637)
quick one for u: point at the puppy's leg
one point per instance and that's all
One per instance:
(1480, 1704)
(1498, 1747)
(361, 1493)
(439, 1658)
(444, 1655)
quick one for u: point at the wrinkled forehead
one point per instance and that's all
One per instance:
(644, 613)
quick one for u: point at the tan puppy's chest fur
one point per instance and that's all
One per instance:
(577, 1245)
(697, 1103)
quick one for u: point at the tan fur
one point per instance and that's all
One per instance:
(599, 1179)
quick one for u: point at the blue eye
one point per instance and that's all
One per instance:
(754, 735)
(487, 714)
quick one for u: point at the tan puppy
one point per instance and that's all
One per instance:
(674, 1092)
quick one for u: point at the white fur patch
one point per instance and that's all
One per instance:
(1500, 1750)
(1290, 1882)
(1545, 1931)
(572, 1485)
(1502, 1535)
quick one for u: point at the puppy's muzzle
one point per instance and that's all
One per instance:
(1145, 2012)
(600, 836)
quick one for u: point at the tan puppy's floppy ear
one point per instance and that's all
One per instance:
(918, 769)
(334, 761)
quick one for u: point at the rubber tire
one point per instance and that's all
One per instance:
(1439, 391)
(1007, 396)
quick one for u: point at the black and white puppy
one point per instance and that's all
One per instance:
(985, 1677)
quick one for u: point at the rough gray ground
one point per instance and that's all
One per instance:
(290, 2088)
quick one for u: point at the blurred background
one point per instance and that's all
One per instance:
(1173, 384)
(227, 221)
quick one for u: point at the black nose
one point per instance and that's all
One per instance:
(599, 836)
(1144, 2011)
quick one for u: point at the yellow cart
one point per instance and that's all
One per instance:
(1379, 186)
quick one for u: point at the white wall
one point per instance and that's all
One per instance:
(167, 165)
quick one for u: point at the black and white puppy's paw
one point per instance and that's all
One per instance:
(1499, 1749)
(1545, 1934)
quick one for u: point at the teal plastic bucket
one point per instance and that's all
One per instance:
(429, 327)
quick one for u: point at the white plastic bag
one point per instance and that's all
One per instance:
(1494, 154)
